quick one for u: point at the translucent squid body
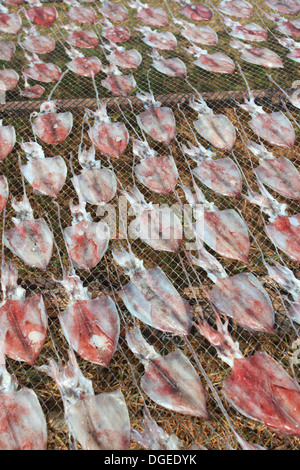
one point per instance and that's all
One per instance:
(81, 65)
(41, 15)
(123, 58)
(97, 422)
(23, 319)
(257, 55)
(30, 239)
(278, 173)
(164, 41)
(197, 34)
(170, 381)
(257, 387)
(50, 126)
(159, 174)
(171, 67)
(216, 62)
(91, 326)
(195, 11)
(7, 50)
(117, 83)
(160, 227)
(283, 230)
(157, 121)
(8, 79)
(7, 140)
(286, 279)
(241, 296)
(224, 231)
(116, 34)
(4, 192)
(150, 296)
(219, 174)
(151, 16)
(111, 138)
(82, 39)
(249, 32)
(46, 175)
(273, 127)
(86, 241)
(114, 11)
(41, 71)
(36, 43)
(216, 128)
(236, 8)
(10, 23)
(22, 421)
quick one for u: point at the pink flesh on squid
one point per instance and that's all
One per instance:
(285, 234)
(46, 175)
(159, 228)
(116, 34)
(9, 78)
(114, 11)
(227, 233)
(243, 298)
(275, 128)
(259, 388)
(4, 192)
(153, 16)
(87, 242)
(82, 15)
(119, 85)
(7, 50)
(249, 32)
(125, 59)
(39, 44)
(7, 140)
(150, 297)
(92, 328)
(85, 66)
(200, 35)
(24, 322)
(45, 73)
(159, 174)
(170, 380)
(10, 23)
(260, 56)
(95, 185)
(83, 39)
(53, 128)
(32, 241)
(197, 12)
(217, 129)
(236, 8)
(22, 421)
(281, 175)
(290, 28)
(221, 175)
(217, 63)
(43, 16)
(164, 41)
(285, 7)
(159, 123)
(171, 67)
(111, 138)
(33, 92)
